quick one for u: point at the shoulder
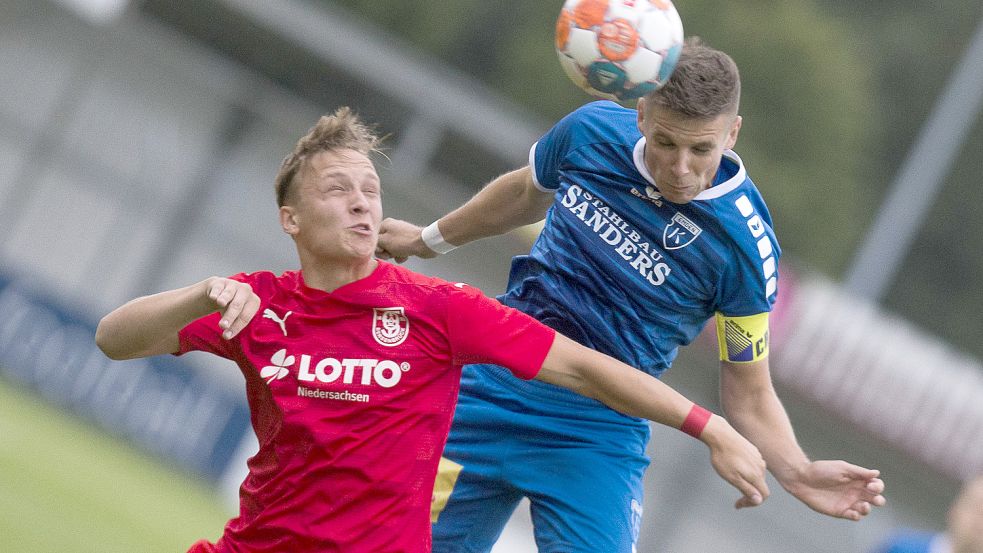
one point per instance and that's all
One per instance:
(602, 109)
(428, 296)
(602, 120)
(267, 281)
(742, 230)
(398, 276)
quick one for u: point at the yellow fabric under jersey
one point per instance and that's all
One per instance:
(447, 473)
(742, 339)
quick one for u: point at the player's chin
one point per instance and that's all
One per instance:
(361, 247)
(679, 197)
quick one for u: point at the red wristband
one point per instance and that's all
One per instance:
(696, 421)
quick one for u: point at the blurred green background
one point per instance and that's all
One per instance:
(69, 487)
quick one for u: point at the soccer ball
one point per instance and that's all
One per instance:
(619, 49)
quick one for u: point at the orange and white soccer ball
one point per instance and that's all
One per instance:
(619, 49)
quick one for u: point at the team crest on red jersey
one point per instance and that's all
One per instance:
(390, 326)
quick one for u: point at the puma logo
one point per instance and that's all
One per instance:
(269, 314)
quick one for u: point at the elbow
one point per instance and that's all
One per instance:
(105, 341)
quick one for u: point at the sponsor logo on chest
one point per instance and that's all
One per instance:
(390, 328)
(641, 255)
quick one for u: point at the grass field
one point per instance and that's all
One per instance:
(66, 486)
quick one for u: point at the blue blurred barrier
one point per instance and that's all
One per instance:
(160, 403)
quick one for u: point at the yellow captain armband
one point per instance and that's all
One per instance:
(742, 339)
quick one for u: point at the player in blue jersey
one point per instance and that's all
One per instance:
(652, 227)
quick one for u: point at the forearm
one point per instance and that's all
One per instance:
(149, 325)
(636, 393)
(506, 203)
(615, 384)
(640, 395)
(754, 409)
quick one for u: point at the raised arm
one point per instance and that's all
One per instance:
(635, 393)
(834, 488)
(507, 202)
(149, 325)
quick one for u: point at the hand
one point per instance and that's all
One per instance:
(235, 300)
(398, 240)
(737, 461)
(836, 488)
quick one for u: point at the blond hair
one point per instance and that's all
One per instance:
(341, 130)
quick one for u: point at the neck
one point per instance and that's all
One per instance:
(331, 275)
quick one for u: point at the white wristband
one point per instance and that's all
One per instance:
(434, 240)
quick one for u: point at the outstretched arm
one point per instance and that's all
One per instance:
(636, 393)
(507, 202)
(149, 325)
(834, 488)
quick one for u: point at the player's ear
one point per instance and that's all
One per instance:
(735, 129)
(288, 220)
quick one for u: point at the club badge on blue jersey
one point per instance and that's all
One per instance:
(680, 232)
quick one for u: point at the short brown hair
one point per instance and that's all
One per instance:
(341, 130)
(705, 83)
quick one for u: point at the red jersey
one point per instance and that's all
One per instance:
(351, 395)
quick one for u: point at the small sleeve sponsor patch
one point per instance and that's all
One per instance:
(742, 339)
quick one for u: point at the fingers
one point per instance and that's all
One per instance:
(382, 253)
(871, 497)
(244, 312)
(857, 511)
(755, 493)
(746, 501)
(221, 291)
(871, 493)
(399, 240)
(875, 486)
(750, 480)
(737, 461)
(855, 472)
(237, 303)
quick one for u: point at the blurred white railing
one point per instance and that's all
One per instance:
(883, 374)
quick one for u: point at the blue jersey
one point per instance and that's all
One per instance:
(620, 269)
(623, 271)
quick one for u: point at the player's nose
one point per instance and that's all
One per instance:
(680, 165)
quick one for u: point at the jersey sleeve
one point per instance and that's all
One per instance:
(546, 156)
(749, 283)
(205, 335)
(482, 330)
(745, 292)
(742, 315)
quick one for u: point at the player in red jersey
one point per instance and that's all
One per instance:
(352, 366)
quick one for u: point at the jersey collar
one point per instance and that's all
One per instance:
(714, 191)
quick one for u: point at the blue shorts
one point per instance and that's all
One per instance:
(580, 464)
